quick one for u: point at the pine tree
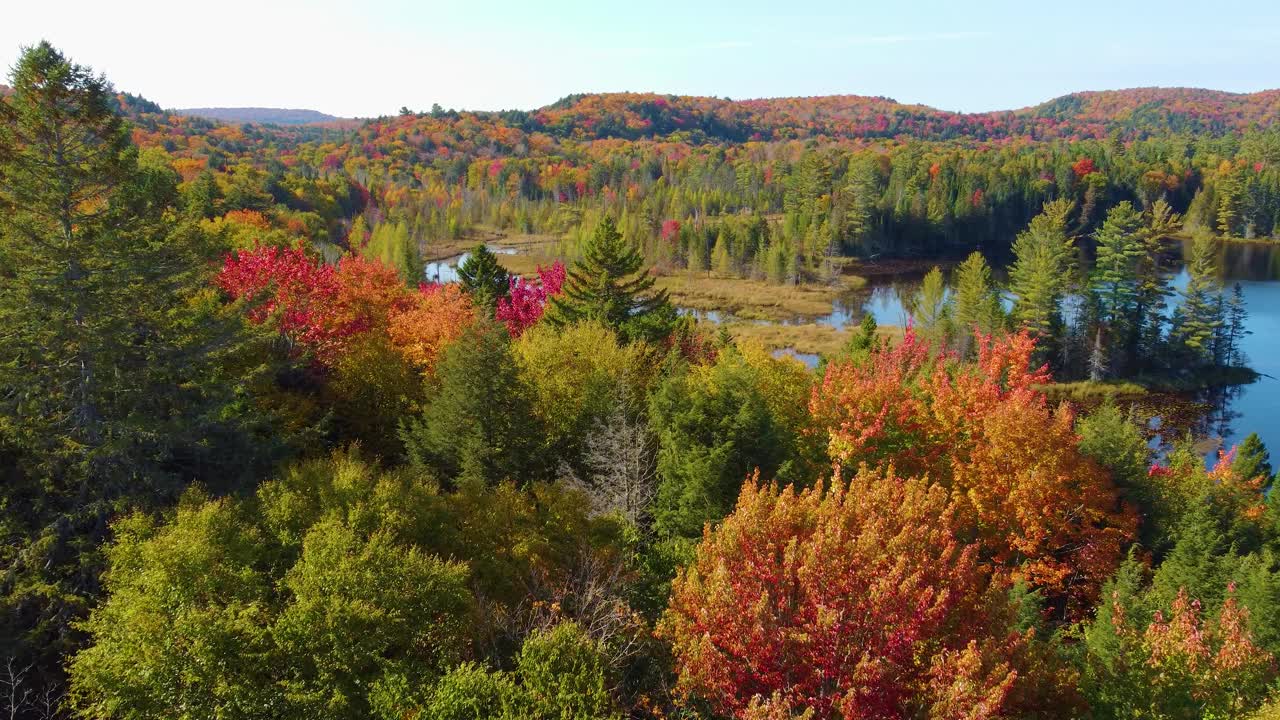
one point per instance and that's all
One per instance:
(929, 310)
(114, 386)
(609, 284)
(975, 305)
(1228, 196)
(1147, 321)
(482, 276)
(1040, 275)
(860, 197)
(1114, 287)
(1199, 317)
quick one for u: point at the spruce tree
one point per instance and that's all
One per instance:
(482, 276)
(477, 425)
(115, 388)
(610, 285)
(1253, 460)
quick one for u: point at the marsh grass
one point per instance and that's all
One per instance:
(754, 299)
(804, 338)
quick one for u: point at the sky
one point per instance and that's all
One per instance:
(362, 58)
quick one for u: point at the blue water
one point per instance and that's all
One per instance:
(446, 271)
(1233, 413)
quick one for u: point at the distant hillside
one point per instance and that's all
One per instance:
(275, 116)
(1131, 114)
(1156, 110)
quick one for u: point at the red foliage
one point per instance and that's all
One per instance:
(854, 602)
(527, 302)
(670, 230)
(322, 308)
(1083, 167)
(1039, 508)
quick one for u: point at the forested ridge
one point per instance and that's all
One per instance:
(254, 465)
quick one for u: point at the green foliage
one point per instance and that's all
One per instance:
(1197, 321)
(482, 276)
(975, 305)
(715, 427)
(1253, 460)
(1116, 442)
(391, 243)
(563, 675)
(560, 674)
(1040, 274)
(471, 692)
(1114, 283)
(121, 376)
(477, 423)
(578, 378)
(930, 311)
(610, 285)
(327, 595)
(293, 604)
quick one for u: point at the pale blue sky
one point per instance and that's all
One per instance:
(372, 57)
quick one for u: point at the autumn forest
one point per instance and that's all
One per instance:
(547, 413)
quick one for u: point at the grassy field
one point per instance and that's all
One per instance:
(753, 299)
(805, 338)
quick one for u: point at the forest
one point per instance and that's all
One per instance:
(254, 464)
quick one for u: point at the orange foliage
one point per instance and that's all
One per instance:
(437, 316)
(1039, 508)
(248, 218)
(856, 602)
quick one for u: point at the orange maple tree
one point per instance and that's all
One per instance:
(325, 309)
(857, 601)
(1035, 504)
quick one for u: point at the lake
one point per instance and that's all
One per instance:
(1225, 415)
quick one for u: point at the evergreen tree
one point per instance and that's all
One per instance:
(930, 311)
(1040, 275)
(1199, 317)
(721, 258)
(115, 385)
(1113, 285)
(1147, 319)
(483, 277)
(975, 304)
(609, 284)
(1236, 324)
(865, 341)
(1253, 460)
(477, 424)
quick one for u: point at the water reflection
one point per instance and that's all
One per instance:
(446, 270)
